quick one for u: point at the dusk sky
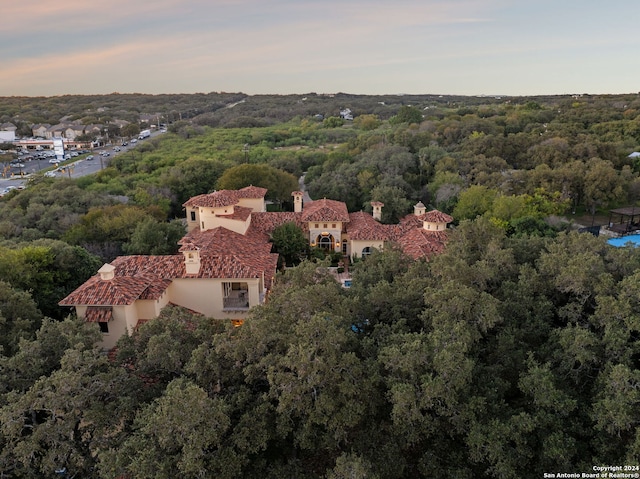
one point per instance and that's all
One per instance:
(466, 47)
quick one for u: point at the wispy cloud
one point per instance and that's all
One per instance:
(193, 45)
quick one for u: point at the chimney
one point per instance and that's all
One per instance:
(419, 209)
(297, 201)
(107, 272)
(192, 261)
(377, 210)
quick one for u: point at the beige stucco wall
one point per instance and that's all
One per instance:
(122, 315)
(256, 204)
(150, 308)
(205, 295)
(326, 228)
(358, 245)
(427, 225)
(234, 225)
(191, 225)
(211, 218)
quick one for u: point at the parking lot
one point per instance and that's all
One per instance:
(14, 174)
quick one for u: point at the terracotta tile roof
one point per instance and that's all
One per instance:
(214, 200)
(147, 277)
(252, 192)
(266, 222)
(222, 240)
(435, 216)
(241, 213)
(164, 267)
(325, 210)
(233, 266)
(226, 197)
(419, 243)
(96, 314)
(121, 290)
(362, 226)
(156, 289)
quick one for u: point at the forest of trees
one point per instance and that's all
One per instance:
(514, 353)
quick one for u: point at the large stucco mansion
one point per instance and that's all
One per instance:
(225, 265)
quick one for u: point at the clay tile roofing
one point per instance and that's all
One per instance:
(435, 216)
(96, 314)
(362, 226)
(239, 213)
(266, 222)
(216, 199)
(325, 210)
(420, 243)
(223, 241)
(121, 290)
(252, 192)
(156, 289)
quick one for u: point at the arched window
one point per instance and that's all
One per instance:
(325, 242)
(366, 251)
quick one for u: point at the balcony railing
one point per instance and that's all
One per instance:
(237, 301)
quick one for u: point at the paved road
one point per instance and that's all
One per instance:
(74, 168)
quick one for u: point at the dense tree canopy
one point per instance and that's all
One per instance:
(512, 354)
(506, 356)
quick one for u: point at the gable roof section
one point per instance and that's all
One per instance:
(253, 192)
(241, 213)
(325, 210)
(216, 199)
(119, 291)
(265, 222)
(222, 241)
(362, 226)
(420, 243)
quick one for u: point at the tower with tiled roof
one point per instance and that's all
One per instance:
(435, 220)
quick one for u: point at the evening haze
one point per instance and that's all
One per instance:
(474, 47)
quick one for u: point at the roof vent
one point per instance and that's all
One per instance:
(107, 272)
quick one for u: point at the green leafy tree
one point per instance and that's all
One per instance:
(103, 231)
(290, 241)
(407, 114)
(333, 122)
(19, 318)
(473, 202)
(602, 184)
(367, 122)
(183, 433)
(396, 205)
(194, 176)
(130, 130)
(64, 419)
(155, 238)
(48, 269)
(279, 184)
